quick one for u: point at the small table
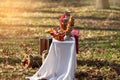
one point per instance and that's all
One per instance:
(60, 63)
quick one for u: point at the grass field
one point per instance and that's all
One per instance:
(23, 22)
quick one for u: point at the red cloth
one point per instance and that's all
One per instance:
(75, 33)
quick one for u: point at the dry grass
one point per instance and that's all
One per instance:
(22, 22)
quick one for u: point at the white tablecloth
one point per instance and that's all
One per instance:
(60, 63)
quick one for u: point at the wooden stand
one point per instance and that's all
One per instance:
(44, 44)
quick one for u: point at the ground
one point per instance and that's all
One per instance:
(22, 23)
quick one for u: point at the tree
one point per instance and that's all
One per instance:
(102, 4)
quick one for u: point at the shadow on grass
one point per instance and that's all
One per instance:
(40, 10)
(11, 60)
(99, 64)
(110, 41)
(95, 18)
(98, 28)
(73, 3)
(40, 17)
(48, 26)
(27, 25)
(104, 42)
(117, 9)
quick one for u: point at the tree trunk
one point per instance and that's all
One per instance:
(102, 4)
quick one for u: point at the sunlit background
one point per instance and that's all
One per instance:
(18, 18)
(25, 18)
